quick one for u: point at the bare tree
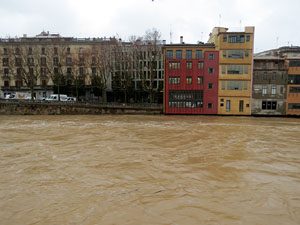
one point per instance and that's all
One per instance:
(102, 66)
(25, 64)
(123, 68)
(55, 65)
(153, 49)
(147, 53)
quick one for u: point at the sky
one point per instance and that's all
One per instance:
(276, 21)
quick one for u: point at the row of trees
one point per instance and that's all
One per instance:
(93, 65)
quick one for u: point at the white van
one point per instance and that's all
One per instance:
(63, 98)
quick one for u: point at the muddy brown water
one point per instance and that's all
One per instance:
(154, 170)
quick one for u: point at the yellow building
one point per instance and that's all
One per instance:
(235, 69)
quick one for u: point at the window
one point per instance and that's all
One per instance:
(55, 51)
(269, 105)
(274, 90)
(235, 54)
(169, 54)
(81, 71)
(210, 70)
(30, 61)
(294, 105)
(210, 56)
(69, 71)
(18, 61)
(294, 63)
(223, 84)
(246, 69)
(5, 61)
(30, 51)
(227, 105)
(185, 99)
(264, 90)
(209, 105)
(55, 71)
(188, 80)
(178, 54)
(6, 72)
(246, 53)
(198, 54)
(44, 83)
(43, 61)
(6, 83)
(43, 71)
(237, 85)
(223, 69)
(55, 60)
(248, 38)
(189, 65)
(234, 69)
(43, 51)
(69, 60)
(174, 65)
(241, 106)
(188, 54)
(68, 50)
(174, 80)
(4, 51)
(81, 60)
(274, 77)
(224, 53)
(17, 50)
(236, 38)
(200, 65)
(18, 83)
(293, 79)
(94, 71)
(224, 37)
(200, 80)
(210, 85)
(295, 89)
(265, 76)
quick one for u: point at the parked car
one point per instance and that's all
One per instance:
(71, 99)
(63, 98)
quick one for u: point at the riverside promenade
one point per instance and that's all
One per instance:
(9, 107)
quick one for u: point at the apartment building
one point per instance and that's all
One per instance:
(89, 68)
(269, 86)
(191, 78)
(235, 66)
(293, 87)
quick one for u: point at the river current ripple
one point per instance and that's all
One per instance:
(154, 170)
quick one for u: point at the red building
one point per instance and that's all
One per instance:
(191, 79)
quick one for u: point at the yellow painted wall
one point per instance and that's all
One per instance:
(234, 95)
(234, 105)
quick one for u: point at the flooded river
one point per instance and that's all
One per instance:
(152, 170)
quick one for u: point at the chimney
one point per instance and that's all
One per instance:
(24, 35)
(181, 39)
(164, 42)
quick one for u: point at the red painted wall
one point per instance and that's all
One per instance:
(209, 95)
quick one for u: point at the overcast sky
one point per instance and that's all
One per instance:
(276, 21)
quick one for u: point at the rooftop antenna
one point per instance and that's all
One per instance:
(220, 17)
(171, 34)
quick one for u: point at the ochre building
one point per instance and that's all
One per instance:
(235, 69)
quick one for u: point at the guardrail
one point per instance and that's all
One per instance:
(86, 103)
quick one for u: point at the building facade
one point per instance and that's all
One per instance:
(191, 78)
(269, 86)
(89, 68)
(235, 69)
(293, 87)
